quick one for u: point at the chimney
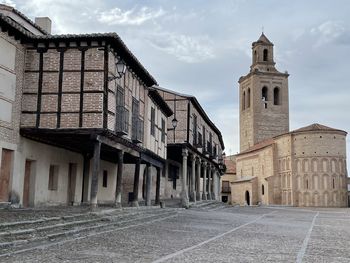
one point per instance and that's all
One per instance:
(44, 23)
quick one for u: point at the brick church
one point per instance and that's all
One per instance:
(304, 167)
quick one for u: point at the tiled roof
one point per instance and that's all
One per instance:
(10, 8)
(263, 39)
(315, 127)
(112, 38)
(244, 179)
(259, 146)
(230, 165)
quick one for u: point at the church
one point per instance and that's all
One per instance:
(276, 166)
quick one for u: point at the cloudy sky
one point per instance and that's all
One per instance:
(202, 47)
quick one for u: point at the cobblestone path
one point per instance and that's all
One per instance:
(208, 232)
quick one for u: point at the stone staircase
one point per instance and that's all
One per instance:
(20, 235)
(209, 205)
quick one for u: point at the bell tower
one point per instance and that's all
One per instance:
(263, 97)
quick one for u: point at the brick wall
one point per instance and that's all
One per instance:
(9, 131)
(71, 87)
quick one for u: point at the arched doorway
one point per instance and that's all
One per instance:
(247, 197)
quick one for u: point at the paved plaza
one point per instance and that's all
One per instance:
(206, 233)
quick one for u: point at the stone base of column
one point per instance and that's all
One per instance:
(93, 206)
(117, 205)
(209, 196)
(198, 196)
(213, 196)
(193, 197)
(204, 196)
(135, 203)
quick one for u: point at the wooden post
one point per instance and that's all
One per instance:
(118, 190)
(86, 174)
(135, 202)
(148, 185)
(157, 202)
(95, 174)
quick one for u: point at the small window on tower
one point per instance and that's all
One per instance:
(265, 54)
(248, 99)
(264, 94)
(276, 96)
(243, 101)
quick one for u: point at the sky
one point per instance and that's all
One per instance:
(202, 47)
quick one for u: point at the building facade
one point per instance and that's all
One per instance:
(195, 148)
(304, 167)
(74, 130)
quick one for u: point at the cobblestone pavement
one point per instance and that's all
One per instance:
(213, 233)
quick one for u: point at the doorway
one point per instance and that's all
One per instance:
(72, 175)
(29, 184)
(5, 174)
(247, 198)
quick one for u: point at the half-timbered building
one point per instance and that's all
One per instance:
(75, 129)
(195, 148)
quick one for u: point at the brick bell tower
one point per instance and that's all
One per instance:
(263, 97)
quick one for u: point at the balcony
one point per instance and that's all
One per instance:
(137, 129)
(122, 120)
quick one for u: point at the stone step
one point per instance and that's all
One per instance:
(114, 223)
(40, 230)
(5, 205)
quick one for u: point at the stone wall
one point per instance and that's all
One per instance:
(319, 167)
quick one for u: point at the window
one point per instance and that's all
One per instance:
(204, 138)
(122, 114)
(53, 178)
(276, 96)
(307, 184)
(248, 99)
(333, 183)
(163, 130)
(243, 101)
(265, 54)
(200, 139)
(226, 187)
(262, 189)
(194, 129)
(105, 178)
(137, 123)
(264, 94)
(153, 121)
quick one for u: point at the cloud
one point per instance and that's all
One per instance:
(8, 2)
(328, 32)
(117, 16)
(189, 49)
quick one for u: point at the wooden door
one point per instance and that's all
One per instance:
(26, 184)
(5, 173)
(72, 174)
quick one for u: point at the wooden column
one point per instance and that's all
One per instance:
(158, 186)
(135, 202)
(184, 196)
(198, 182)
(204, 193)
(118, 190)
(95, 173)
(86, 174)
(148, 185)
(193, 179)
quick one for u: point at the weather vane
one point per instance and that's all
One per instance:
(262, 29)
